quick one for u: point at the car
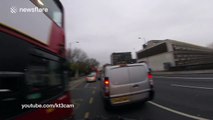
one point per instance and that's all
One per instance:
(91, 77)
(126, 83)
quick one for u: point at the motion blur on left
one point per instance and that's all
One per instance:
(33, 74)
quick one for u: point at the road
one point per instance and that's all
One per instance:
(178, 97)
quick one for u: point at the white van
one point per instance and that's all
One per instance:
(126, 83)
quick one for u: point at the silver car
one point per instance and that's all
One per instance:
(91, 77)
(126, 83)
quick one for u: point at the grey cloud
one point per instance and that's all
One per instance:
(106, 26)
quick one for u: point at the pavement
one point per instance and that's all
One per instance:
(178, 97)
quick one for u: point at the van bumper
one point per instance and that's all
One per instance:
(144, 96)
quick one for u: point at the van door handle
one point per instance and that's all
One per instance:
(136, 85)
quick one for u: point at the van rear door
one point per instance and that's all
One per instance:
(139, 81)
(119, 83)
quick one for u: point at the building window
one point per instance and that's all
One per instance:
(162, 48)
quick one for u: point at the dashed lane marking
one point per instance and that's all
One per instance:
(86, 115)
(86, 85)
(93, 92)
(177, 112)
(91, 100)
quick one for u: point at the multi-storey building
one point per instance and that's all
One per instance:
(170, 54)
(120, 58)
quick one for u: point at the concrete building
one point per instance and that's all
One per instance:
(173, 55)
(121, 57)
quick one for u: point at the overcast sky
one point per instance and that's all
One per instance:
(105, 26)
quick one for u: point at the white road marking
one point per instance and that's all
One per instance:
(93, 92)
(91, 100)
(86, 115)
(86, 85)
(177, 112)
(184, 77)
(194, 87)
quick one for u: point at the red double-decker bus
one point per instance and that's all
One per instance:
(32, 57)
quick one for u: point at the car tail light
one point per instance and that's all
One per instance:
(106, 86)
(150, 77)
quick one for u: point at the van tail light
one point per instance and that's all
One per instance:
(150, 77)
(106, 86)
(106, 82)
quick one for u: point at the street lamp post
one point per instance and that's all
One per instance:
(143, 39)
(144, 47)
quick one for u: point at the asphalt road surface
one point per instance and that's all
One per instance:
(178, 97)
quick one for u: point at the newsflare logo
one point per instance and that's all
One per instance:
(13, 10)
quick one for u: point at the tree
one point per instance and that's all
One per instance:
(77, 58)
(93, 62)
(78, 55)
(80, 63)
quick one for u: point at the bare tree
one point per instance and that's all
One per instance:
(93, 62)
(77, 59)
(78, 55)
(80, 63)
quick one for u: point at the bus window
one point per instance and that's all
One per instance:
(54, 12)
(43, 79)
(55, 79)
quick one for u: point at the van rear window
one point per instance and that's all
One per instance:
(137, 73)
(119, 76)
(126, 75)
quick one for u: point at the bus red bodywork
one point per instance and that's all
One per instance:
(55, 46)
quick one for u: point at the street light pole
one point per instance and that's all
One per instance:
(143, 39)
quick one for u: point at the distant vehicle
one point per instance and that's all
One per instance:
(91, 77)
(126, 83)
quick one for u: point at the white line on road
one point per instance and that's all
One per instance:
(184, 77)
(177, 112)
(86, 115)
(86, 85)
(91, 100)
(194, 87)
